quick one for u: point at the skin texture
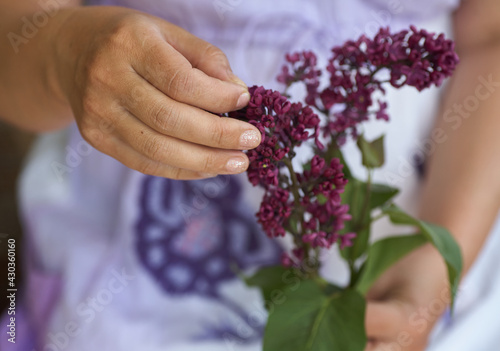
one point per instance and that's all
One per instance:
(140, 88)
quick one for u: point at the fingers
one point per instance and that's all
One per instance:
(186, 122)
(171, 73)
(179, 153)
(124, 153)
(388, 327)
(401, 345)
(202, 55)
(168, 132)
(382, 320)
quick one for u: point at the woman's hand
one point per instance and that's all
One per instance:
(406, 302)
(142, 91)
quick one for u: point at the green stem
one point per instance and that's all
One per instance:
(353, 273)
(294, 187)
(360, 225)
(366, 205)
(295, 183)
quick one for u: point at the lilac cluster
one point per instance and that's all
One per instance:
(275, 208)
(314, 193)
(284, 126)
(322, 216)
(301, 67)
(308, 204)
(313, 198)
(326, 212)
(358, 70)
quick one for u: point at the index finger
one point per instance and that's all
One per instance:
(171, 73)
(186, 122)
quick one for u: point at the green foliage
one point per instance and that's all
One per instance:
(270, 279)
(383, 254)
(355, 195)
(308, 314)
(381, 194)
(311, 320)
(372, 152)
(363, 198)
(438, 236)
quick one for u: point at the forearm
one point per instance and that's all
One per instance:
(462, 188)
(29, 95)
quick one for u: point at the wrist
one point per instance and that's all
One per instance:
(62, 54)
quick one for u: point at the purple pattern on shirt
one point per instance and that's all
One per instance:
(191, 233)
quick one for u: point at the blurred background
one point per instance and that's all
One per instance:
(14, 146)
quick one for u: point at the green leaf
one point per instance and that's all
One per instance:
(270, 279)
(372, 152)
(355, 196)
(310, 320)
(383, 254)
(381, 194)
(440, 238)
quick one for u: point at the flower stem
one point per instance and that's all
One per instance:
(366, 205)
(294, 187)
(361, 225)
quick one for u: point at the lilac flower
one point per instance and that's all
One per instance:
(308, 204)
(301, 67)
(283, 126)
(415, 58)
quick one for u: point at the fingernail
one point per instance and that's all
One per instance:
(243, 100)
(236, 165)
(250, 139)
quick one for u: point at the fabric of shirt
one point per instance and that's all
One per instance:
(117, 260)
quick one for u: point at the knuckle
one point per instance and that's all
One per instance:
(219, 134)
(87, 133)
(122, 30)
(91, 135)
(95, 66)
(90, 104)
(214, 53)
(96, 63)
(95, 116)
(165, 118)
(95, 73)
(175, 173)
(154, 147)
(180, 84)
(210, 163)
(99, 62)
(148, 167)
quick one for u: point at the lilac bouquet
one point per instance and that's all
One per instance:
(320, 205)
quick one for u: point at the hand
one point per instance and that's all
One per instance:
(142, 90)
(406, 302)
